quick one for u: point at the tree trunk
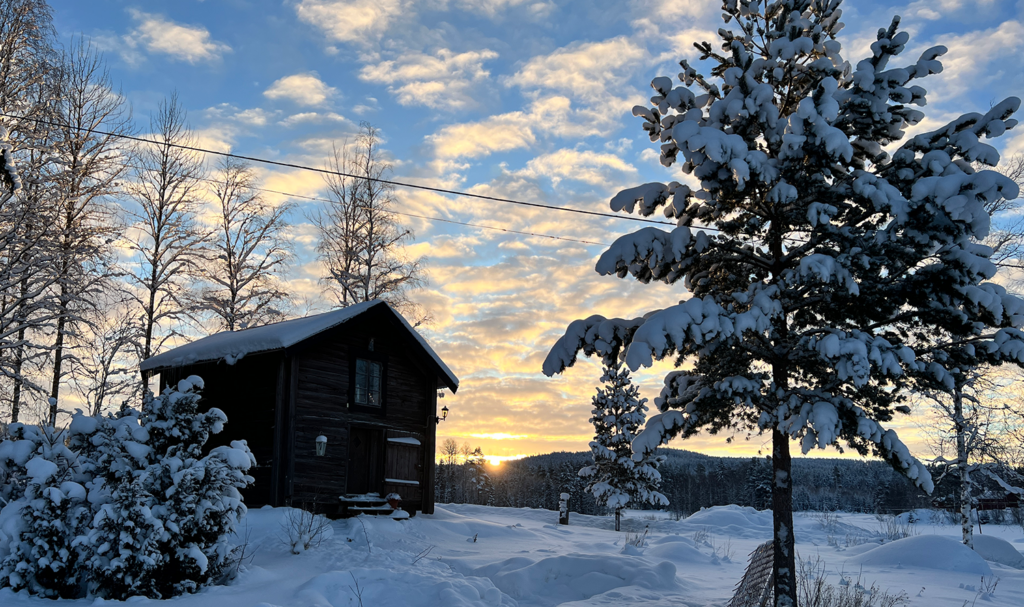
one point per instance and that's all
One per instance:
(784, 562)
(618, 518)
(18, 361)
(961, 463)
(58, 355)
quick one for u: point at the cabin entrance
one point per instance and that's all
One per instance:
(403, 467)
(365, 460)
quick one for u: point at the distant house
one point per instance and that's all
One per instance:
(361, 377)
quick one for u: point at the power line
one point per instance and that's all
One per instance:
(399, 184)
(340, 174)
(427, 217)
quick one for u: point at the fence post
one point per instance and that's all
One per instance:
(563, 509)
(618, 516)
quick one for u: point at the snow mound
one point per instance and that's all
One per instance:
(406, 588)
(677, 549)
(998, 550)
(925, 552)
(737, 521)
(561, 579)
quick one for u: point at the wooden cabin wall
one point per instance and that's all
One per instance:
(321, 372)
(245, 392)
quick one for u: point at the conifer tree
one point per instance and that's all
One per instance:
(618, 414)
(836, 275)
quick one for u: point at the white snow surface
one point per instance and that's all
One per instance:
(507, 557)
(997, 550)
(232, 346)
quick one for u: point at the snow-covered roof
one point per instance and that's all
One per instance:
(231, 346)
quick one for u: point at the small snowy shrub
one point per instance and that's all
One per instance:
(815, 591)
(305, 530)
(893, 528)
(121, 505)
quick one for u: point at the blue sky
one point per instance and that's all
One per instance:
(520, 99)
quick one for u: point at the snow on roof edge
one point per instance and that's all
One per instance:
(232, 346)
(426, 346)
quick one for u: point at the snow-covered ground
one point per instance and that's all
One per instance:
(476, 555)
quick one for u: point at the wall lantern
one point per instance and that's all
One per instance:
(444, 415)
(321, 445)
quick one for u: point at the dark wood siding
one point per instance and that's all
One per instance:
(246, 393)
(322, 406)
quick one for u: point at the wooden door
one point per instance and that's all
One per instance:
(403, 468)
(364, 461)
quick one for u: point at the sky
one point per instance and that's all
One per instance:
(520, 99)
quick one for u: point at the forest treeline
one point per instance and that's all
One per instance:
(691, 481)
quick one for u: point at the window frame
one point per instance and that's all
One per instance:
(382, 360)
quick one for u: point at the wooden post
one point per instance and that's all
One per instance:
(618, 517)
(563, 509)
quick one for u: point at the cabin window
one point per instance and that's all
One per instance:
(367, 383)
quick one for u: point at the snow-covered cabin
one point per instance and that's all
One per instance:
(361, 377)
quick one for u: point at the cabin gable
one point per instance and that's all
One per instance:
(362, 452)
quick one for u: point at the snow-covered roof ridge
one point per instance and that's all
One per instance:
(231, 346)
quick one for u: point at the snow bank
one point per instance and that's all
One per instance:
(924, 552)
(677, 549)
(736, 521)
(560, 579)
(407, 588)
(998, 550)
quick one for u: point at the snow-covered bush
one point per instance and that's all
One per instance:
(44, 510)
(616, 479)
(121, 505)
(304, 529)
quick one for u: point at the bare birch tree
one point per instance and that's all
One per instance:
(360, 237)
(166, 241)
(972, 433)
(248, 251)
(85, 220)
(105, 371)
(26, 59)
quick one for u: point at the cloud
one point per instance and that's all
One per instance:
(312, 118)
(445, 80)
(590, 71)
(585, 166)
(491, 8)
(933, 10)
(552, 115)
(356, 21)
(303, 89)
(981, 57)
(183, 42)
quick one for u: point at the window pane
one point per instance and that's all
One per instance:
(367, 382)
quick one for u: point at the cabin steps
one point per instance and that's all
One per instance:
(371, 503)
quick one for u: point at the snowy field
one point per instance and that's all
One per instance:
(476, 555)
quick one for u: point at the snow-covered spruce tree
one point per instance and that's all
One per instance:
(618, 413)
(43, 511)
(834, 275)
(161, 512)
(203, 503)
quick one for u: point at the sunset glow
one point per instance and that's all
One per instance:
(531, 101)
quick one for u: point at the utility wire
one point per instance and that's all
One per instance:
(427, 217)
(397, 184)
(291, 165)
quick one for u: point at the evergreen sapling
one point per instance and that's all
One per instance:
(616, 479)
